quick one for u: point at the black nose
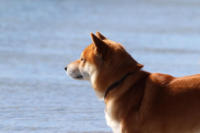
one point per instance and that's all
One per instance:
(65, 68)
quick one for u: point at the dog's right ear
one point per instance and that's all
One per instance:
(99, 44)
(100, 36)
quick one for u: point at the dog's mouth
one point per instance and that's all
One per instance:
(79, 77)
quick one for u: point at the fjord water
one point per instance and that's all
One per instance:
(39, 37)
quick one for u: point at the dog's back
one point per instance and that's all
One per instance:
(170, 105)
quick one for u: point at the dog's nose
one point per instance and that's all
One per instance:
(65, 68)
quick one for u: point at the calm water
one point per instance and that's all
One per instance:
(39, 37)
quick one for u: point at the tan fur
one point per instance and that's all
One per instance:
(144, 102)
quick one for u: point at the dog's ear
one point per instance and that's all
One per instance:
(100, 44)
(140, 66)
(100, 36)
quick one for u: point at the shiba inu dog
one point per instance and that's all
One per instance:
(137, 101)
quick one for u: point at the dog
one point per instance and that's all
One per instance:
(137, 101)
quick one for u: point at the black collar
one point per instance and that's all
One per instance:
(115, 84)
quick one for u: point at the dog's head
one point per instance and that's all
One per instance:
(102, 63)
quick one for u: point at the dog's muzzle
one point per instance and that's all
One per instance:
(73, 71)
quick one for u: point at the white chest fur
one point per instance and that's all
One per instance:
(115, 125)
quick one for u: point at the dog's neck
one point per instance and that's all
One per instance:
(133, 77)
(116, 84)
(106, 77)
(105, 81)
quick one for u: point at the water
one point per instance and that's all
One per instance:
(39, 37)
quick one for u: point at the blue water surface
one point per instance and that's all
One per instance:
(38, 38)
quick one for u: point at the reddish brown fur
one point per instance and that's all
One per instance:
(145, 102)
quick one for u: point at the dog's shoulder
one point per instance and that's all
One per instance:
(160, 79)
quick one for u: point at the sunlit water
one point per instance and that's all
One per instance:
(39, 37)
